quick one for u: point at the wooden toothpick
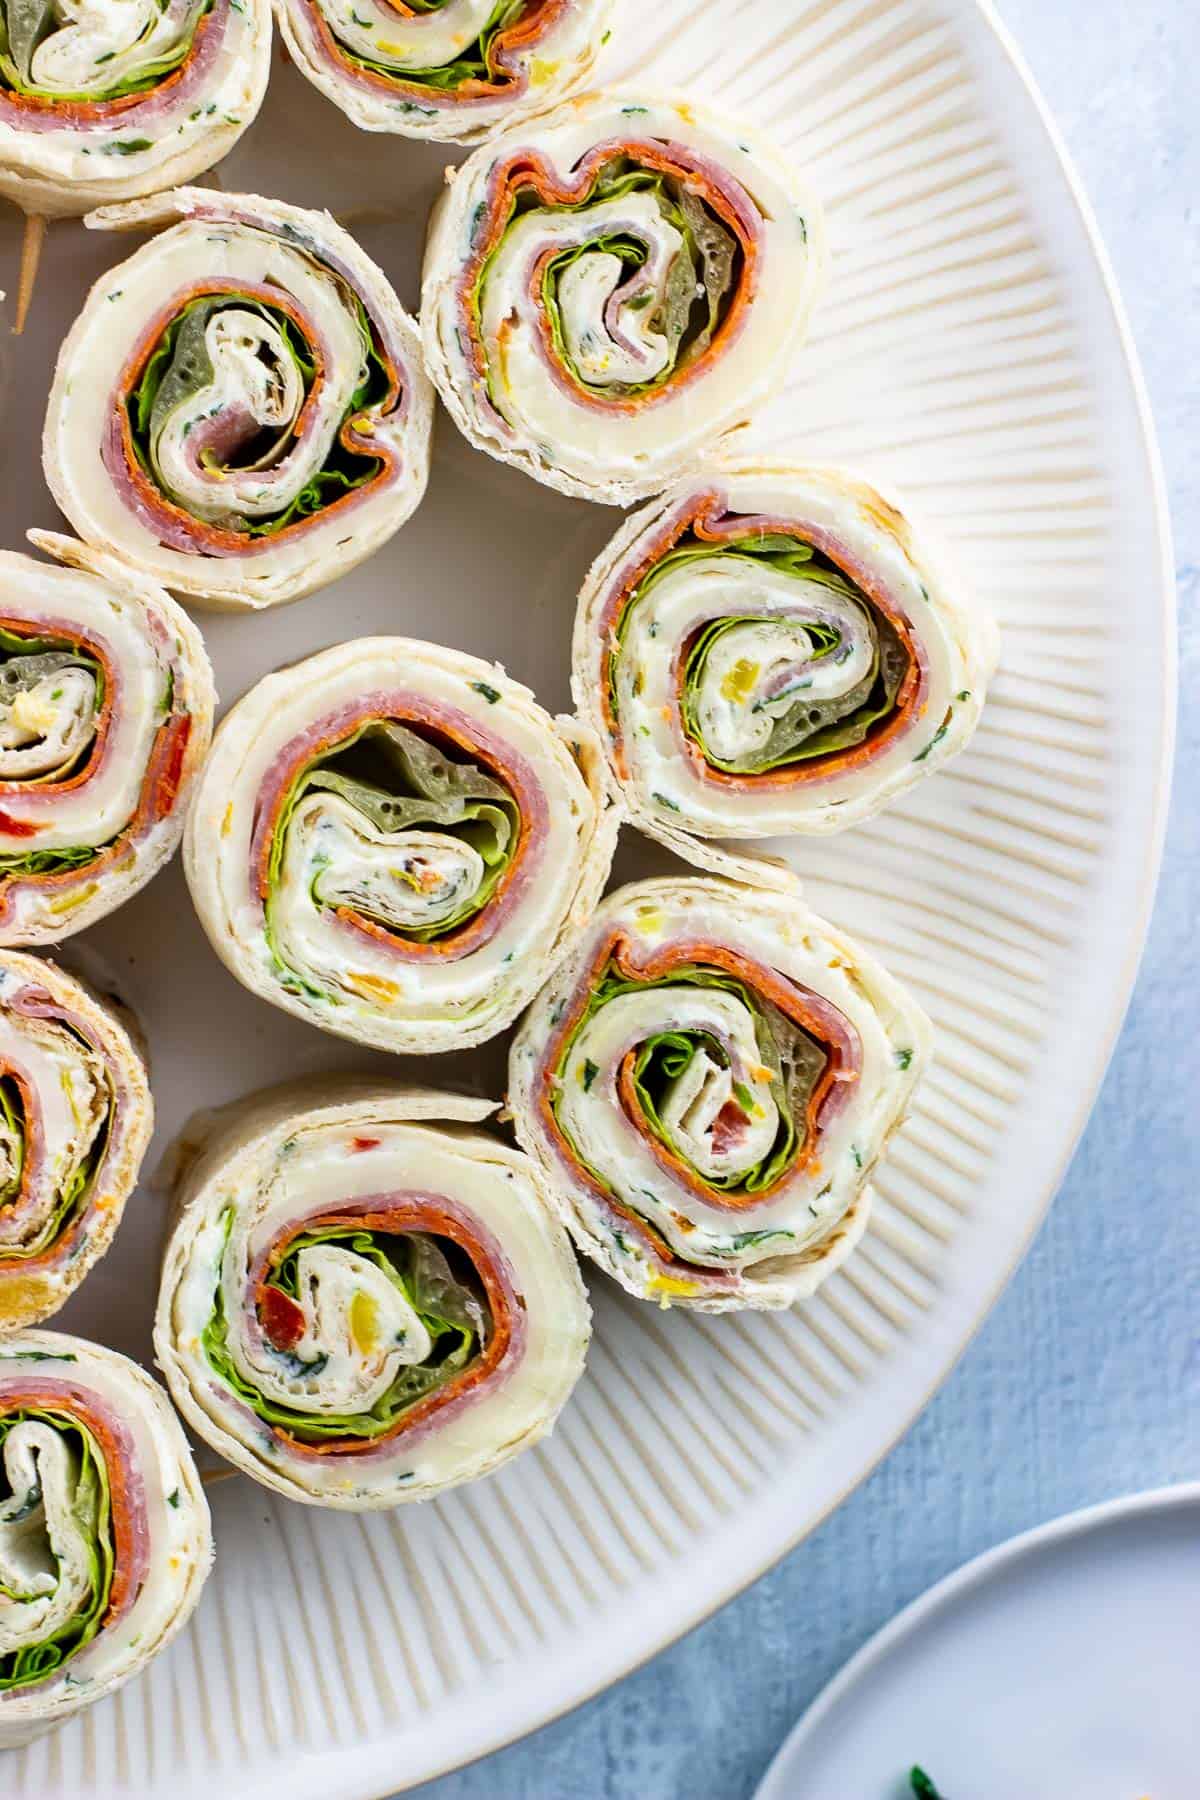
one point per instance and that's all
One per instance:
(210, 1477)
(31, 256)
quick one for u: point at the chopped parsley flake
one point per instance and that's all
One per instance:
(936, 739)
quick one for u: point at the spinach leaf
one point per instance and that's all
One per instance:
(922, 1786)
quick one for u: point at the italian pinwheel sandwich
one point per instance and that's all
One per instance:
(365, 1298)
(771, 650)
(117, 98)
(443, 68)
(395, 842)
(240, 411)
(75, 1120)
(105, 1541)
(612, 287)
(708, 1082)
(106, 710)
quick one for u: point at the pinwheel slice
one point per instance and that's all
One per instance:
(768, 650)
(708, 1082)
(611, 287)
(110, 99)
(106, 706)
(105, 1540)
(443, 68)
(364, 1300)
(395, 842)
(75, 1119)
(240, 410)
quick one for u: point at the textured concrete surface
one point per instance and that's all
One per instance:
(1085, 1382)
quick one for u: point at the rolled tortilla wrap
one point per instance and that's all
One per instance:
(454, 69)
(105, 1540)
(120, 98)
(75, 1119)
(613, 286)
(769, 650)
(240, 410)
(365, 1300)
(708, 1082)
(395, 842)
(106, 709)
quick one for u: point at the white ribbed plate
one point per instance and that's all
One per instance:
(970, 352)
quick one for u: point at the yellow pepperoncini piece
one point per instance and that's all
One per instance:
(738, 684)
(364, 1322)
(372, 987)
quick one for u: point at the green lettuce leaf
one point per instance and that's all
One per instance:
(718, 256)
(456, 1317)
(398, 779)
(25, 24)
(474, 62)
(807, 729)
(93, 1511)
(48, 862)
(180, 367)
(795, 1059)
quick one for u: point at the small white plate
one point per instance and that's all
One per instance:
(1062, 1665)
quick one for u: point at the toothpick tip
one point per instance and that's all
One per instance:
(31, 256)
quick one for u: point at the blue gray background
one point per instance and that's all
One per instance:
(1085, 1381)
